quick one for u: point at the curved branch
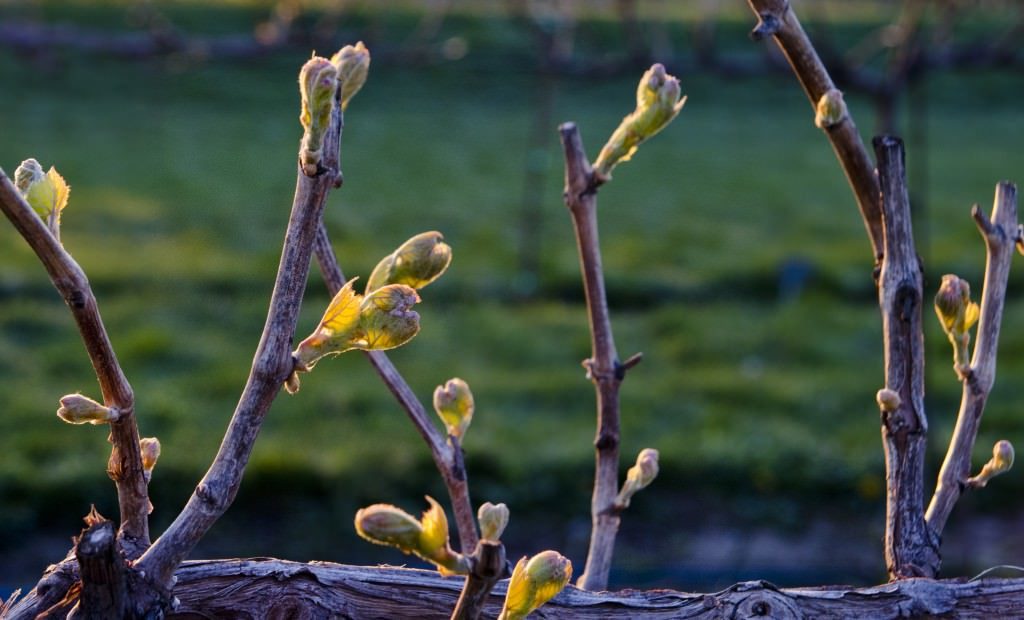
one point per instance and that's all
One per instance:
(778, 20)
(125, 464)
(272, 364)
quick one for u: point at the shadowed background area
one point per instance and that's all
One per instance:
(734, 254)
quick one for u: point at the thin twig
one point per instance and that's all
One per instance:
(125, 464)
(603, 367)
(447, 457)
(778, 20)
(1000, 234)
(911, 548)
(272, 364)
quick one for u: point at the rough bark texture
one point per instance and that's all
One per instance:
(778, 20)
(265, 588)
(1000, 233)
(102, 569)
(911, 547)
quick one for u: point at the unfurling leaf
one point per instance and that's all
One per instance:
(353, 64)
(453, 403)
(416, 263)
(658, 101)
(534, 583)
(639, 476)
(318, 82)
(493, 518)
(426, 538)
(47, 194)
(78, 409)
(384, 319)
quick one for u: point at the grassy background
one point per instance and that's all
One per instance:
(762, 406)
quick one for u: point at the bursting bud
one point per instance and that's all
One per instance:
(888, 400)
(384, 319)
(150, 448)
(352, 63)
(1000, 463)
(416, 263)
(493, 518)
(534, 583)
(831, 109)
(426, 538)
(639, 476)
(47, 193)
(78, 409)
(317, 84)
(957, 314)
(658, 101)
(453, 402)
(26, 174)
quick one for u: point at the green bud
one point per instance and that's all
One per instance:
(493, 518)
(658, 101)
(831, 109)
(534, 583)
(426, 538)
(888, 400)
(317, 84)
(384, 319)
(78, 409)
(416, 263)
(26, 174)
(384, 524)
(352, 63)
(957, 314)
(47, 194)
(150, 448)
(1000, 463)
(639, 476)
(453, 402)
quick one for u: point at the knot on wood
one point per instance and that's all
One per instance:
(906, 301)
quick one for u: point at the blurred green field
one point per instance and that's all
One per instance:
(762, 406)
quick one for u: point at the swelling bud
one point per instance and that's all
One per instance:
(426, 538)
(453, 403)
(78, 409)
(534, 583)
(352, 63)
(317, 85)
(957, 314)
(493, 518)
(416, 263)
(831, 109)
